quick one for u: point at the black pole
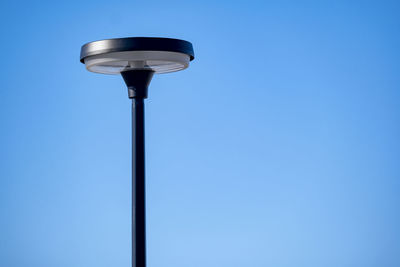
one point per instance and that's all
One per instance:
(138, 185)
(138, 82)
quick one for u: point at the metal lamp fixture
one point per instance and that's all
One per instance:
(137, 59)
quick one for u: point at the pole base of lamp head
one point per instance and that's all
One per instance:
(137, 82)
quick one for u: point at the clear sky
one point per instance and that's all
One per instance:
(279, 146)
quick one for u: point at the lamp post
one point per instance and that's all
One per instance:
(137, 59)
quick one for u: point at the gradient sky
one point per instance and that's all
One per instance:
(279, 146)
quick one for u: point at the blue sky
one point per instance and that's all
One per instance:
(279, 146)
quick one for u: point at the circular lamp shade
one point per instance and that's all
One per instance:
(113, 56)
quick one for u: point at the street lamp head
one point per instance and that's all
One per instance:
(137, 59)
(158, 55)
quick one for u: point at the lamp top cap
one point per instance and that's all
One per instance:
(136, 44)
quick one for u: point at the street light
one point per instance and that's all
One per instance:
(137, 59)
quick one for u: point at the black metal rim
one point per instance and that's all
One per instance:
(136, 44)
